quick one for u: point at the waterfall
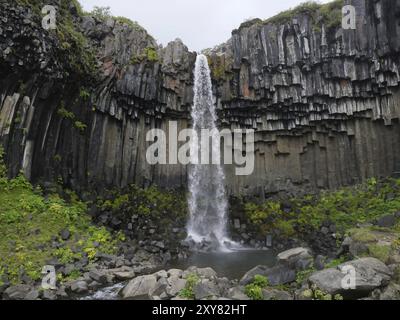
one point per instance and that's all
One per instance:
(208, 204)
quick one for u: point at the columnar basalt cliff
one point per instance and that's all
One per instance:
(325, 102)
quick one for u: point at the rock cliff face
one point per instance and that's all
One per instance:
(325, 102)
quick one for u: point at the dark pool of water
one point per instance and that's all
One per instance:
(232, 265)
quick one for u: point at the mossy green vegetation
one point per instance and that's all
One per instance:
(149, 54)
(254, 289)
(329, 14)
(84, 94)
(188, 291)
(220, 68)
(75, 52)
(379, 243)
(344, 208)
(303, 275)
(80, 126)
(69, 115)
(65, 114)
(317, 294)
(133, 24)
(101, 13)
(151, 202)
(30, 224)
(104, 13)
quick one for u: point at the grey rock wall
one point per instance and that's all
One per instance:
(324, 101)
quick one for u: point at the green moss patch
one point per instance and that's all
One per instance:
(30, 224)
(345, 208)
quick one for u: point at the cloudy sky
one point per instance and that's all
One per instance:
(200, 24)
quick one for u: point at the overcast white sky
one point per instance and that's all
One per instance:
(200, 24)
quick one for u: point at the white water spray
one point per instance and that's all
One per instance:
(208, 203)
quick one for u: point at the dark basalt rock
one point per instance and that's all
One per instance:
(324, 103)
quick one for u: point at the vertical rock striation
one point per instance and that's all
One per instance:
(325, 102)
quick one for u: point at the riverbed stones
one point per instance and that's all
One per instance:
(139, 288)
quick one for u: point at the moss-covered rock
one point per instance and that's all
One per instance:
(381, 244)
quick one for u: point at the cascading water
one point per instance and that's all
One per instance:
(208, 203)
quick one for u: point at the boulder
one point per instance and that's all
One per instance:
(391, 292)
(386, 221)
(33, 295)
(160, 287)
(49, 295)
(206, 273)
(161, 274)
(175, 273)
(298, 258)
(274, 294)
(98, 276)
(277, 275)
(124, 275)
(329, 280)
(205, 289)
(18, 292)
(94, 285)
(175, 285)
(61, 293)
(79, 287)
(319, 262)
(139, 288)
(237, 293)
(249, 275)
(371, 274)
